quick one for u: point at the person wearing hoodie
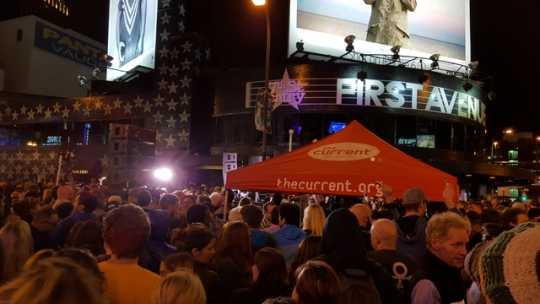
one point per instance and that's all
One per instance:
(289, 236)
(412, 227)
(342, 247)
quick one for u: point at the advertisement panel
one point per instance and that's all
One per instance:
(420, 28)
(55, 41)
(132, 35)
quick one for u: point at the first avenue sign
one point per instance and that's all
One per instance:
(407, 95)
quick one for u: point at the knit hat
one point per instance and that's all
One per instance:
(413, 196)
(510, 266)
(472, 261)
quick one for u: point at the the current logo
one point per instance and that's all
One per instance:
(345, 151)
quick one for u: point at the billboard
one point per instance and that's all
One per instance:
(132, 35)
(421, 28)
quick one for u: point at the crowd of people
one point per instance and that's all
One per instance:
(67, 244)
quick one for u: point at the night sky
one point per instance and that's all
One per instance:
(505, 39)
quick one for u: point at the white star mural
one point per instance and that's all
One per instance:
(48, 113)
(170, 141)
(65, 113)
(163, 85)
(172, 88)
(158, 100)
(158, 117)
(107, 109)
(138, 102)
(117, 103)
(184, 100)
(184, 136)
(39, 109)
(171, 122)
(164, 52)
(186, 65)
(186, 82)
(164, 35)
(127, 108)
(184, 116)
(173, 71)
(186, 47)
(147, 107)
(172, 105)
(165, 18)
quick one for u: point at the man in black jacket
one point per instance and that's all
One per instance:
(447, 235)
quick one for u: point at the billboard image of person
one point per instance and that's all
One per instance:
(130, 29)
(420, 27)
(388, 22)
(132, 35)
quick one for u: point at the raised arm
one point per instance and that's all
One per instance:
(371, 2)
(409, 4)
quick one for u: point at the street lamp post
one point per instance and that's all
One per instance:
(266, 72)
(493, 147)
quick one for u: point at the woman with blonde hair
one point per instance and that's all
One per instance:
(314, 220)
(54, 280)
(182, 287)
(17, 244)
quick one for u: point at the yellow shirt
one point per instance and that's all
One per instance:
(130, 283)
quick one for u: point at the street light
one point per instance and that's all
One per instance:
(493, 147)
(509, 131)
(266, 70)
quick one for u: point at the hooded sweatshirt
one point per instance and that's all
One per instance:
(412, 238)
(288, 239)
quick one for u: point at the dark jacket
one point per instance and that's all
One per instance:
(412, 238)
(257, 294)
(342, 247)
(156, 248)
(232, 276)
(447, 279)
(63, 228)
(211, 282)
(403, 271)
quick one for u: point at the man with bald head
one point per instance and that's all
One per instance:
(384, 237)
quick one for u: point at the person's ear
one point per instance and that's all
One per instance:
(195, 252)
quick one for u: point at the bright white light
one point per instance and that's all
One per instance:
(163, 174)
(259, 2)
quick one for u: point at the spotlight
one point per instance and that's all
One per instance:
(435, 57)
(395, 50)
(467, 86)
(423, 78)
(434, 61)
(349, 40)
(107, 59)
(95, 72)
(163, 174)
(300, 46)
(83, 81)
(474, 65)
(362, 75)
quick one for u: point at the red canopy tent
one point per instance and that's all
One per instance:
(352, 162)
